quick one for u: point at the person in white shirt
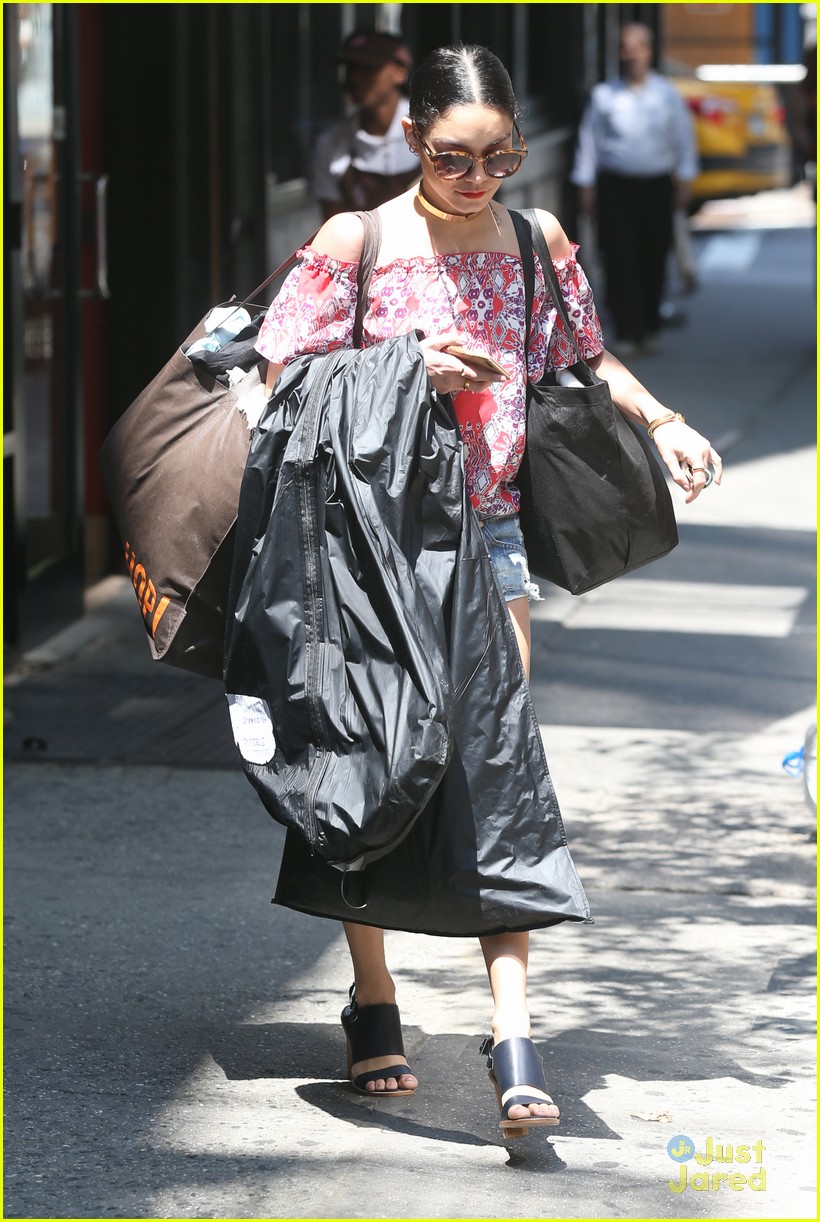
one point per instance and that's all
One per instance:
(634, 160)
(363, 161)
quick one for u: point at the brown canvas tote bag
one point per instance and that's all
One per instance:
(173, 466)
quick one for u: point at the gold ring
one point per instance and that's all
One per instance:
(706, 471)
(466, 385)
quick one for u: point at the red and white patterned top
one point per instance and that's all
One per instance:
(480, 294)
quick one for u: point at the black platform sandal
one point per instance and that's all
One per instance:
(517, 1074)
(374, 1031)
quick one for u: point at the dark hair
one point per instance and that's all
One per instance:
(459, 76)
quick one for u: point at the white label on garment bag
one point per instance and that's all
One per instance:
(252, 728)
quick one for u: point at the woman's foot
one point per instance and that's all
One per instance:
(511, 1027)
(385, 1086)
(542, 1111)
(372, 1024)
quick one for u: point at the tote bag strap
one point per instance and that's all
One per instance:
(367, 261)
(529, 219)
(370, 252)
(283, 267)
(522, 232)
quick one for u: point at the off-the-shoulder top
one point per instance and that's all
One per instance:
(480, 294)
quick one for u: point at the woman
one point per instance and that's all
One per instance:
(449, 266)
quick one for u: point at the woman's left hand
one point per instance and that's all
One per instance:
(690, 458)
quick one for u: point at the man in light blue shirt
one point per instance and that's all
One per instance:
(634, 160)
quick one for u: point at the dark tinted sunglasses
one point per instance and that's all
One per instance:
(499, 164)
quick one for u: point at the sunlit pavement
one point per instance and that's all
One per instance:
(173, 1046)
(783, 209)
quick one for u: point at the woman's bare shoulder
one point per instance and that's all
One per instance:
(341, 237)
(553, 232)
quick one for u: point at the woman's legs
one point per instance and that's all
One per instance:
(506, 954)
(374, 985)
(519, 609)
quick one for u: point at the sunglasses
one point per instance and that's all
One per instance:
(499, 164)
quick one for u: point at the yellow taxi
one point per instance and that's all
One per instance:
(742, 140)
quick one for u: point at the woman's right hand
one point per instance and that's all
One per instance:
(450, 374)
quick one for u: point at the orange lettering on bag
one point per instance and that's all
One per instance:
(145, 590)
(160, 611)
(150, 599)
(139, 578)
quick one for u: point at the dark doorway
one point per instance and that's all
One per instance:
(42, 430)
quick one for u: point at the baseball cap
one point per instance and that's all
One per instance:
(371, 49)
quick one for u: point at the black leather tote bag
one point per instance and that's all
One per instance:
(594, 500)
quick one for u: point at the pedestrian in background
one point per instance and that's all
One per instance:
(364, 160)
(634, 161)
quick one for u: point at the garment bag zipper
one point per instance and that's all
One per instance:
(306, 474)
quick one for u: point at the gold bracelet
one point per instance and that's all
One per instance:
(656, 424)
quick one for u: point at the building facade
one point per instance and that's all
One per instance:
(155, 163)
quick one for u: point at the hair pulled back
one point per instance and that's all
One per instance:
(461, 75)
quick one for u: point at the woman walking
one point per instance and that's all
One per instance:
(449, 266)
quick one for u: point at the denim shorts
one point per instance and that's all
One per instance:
(505, 543)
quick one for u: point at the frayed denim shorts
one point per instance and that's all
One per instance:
(505, 543)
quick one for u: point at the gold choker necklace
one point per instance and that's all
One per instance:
(445, 216)
(455, 216)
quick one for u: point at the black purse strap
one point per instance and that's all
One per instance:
(522, 232)
(531, 236)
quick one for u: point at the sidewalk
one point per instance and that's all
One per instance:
(173, 1046)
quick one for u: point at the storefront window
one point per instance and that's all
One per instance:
(40, 131)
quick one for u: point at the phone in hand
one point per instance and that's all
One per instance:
(478, 360)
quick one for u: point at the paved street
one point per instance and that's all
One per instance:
(173, 1046)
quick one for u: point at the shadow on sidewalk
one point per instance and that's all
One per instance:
(455, 1102)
